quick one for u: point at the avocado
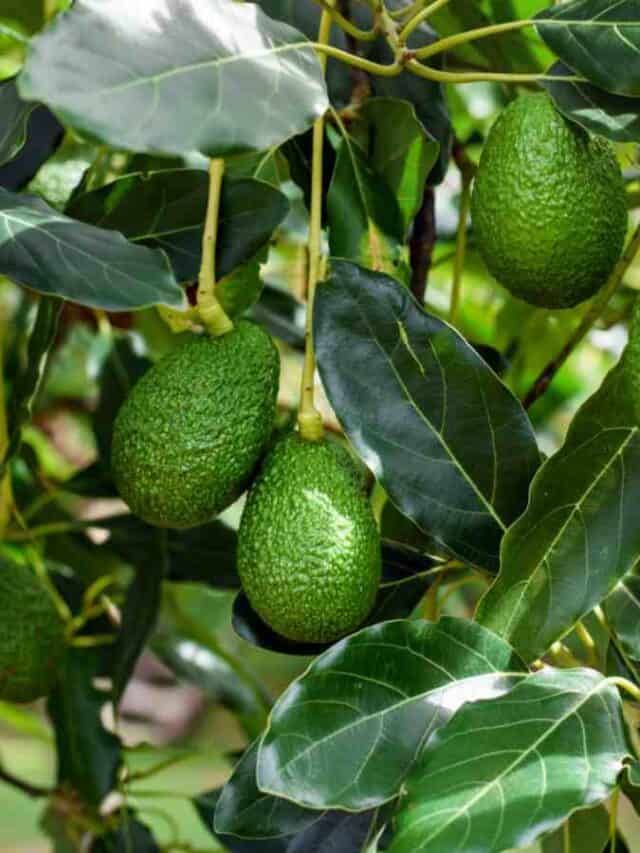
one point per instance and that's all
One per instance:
(32, 635)
(308, 547)
(549, 208)
(189, 436)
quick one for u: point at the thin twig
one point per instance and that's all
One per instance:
(422, 244)
(35, 791)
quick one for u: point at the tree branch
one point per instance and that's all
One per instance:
(422, 243)
(26, 787)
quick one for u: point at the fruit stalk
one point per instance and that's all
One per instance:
(309, 418)
(211, 311)
(590, 318)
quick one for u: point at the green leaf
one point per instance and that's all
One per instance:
(194, 663)
(131, 836)
(88, 755)
(182, 76)
(507, 770)
(139, 612)
(366, 707)
(14, 118)
(449, 442)
(241, 289)
(400, 150)
(613, 116)
(166, 210)
(365, 221)
(600, 39)
(51, 253)
(588, 830)
(622, 609)
(244, 811)
(580, 532)
(28, 384)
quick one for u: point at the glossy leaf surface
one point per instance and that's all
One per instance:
(580, 533)
(51, 253)
(614, 116)
(366, 707)
(600, 39)
(451, 445)
(176, 76)
(166, 210)
(507, 770)
(14, 117)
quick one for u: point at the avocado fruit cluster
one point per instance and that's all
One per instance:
(188, 438)
(32, 635)
(549, 208)
(309, 549)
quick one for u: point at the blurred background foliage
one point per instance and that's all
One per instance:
(195, 694)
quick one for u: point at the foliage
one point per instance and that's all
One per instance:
(168, 167)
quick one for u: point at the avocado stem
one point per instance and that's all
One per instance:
(592, 315)
(418, 15)
(309, 418)
(211, 312)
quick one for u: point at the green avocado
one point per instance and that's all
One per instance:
(32, 635)
(308, 547)
(549, 208)
(189, 436)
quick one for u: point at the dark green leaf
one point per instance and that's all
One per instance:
(400, 150)
(600, 39)
(304, 15)
(622, 609)
(44, 136)
(55, 255)
(427, 98)
(580, 532)
(119, 372)
(28, 384)
(246, 819)
(507, 770)
(450, 444)
(166, 210)
(613, 116)
(281, 315)
(88, 755)
(365, 221)
(14, 117)
(366, 707)
(181, 76)
(139, 612)
(588, 830)
(205, 554)
(131, 836)
(244, 811)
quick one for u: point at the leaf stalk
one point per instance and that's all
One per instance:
(211, 312)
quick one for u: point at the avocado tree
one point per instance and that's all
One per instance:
(313, 321)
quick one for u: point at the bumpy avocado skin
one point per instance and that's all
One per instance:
(548, 207)
(309, 549)
(32, 640)
(189, 436)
